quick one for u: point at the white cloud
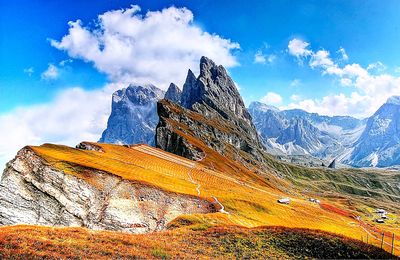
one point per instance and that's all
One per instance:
(157, 47)
(29, 71)
(295, 97)
(65, 62)
(343, 52)
(50, 73)
(271, 98)
(299, 48)
(370, 90)
(295, 83)
(271, 58)
(321, 59)
(73, 116)
(127, 47)
(376, 66)
(261, 58)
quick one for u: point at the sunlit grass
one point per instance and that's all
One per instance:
(247, 198)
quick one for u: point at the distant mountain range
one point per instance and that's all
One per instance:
(374, 141)
(361, 143)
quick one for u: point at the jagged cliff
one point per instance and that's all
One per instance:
(213, 112)
(173, 93)
(37, 191)
(134, 116)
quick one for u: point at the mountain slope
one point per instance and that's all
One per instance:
(232, 181)
(297, 132)
(199, 243)
(103, 187)
(134, 115)
(212, 111)
(379, 144)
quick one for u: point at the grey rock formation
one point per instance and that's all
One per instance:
(133, 117)
(34, 192)
(332, 165)
(297, 132)
(212, 111)
(173, 93)
(215, 89)
(379, 144)
(268, 120)
(190, 93)
(89, 147)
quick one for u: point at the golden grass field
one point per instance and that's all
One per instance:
(223, 242)
(243, 197)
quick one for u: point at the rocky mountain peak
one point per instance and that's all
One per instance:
(134, 115)
(379, 143)
(215, 113)
(173, 93)
(394, 100)
(215, 88)
(190, 92)
(259, 106)
(137, 94)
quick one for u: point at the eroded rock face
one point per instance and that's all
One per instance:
(173, 93)
(133, 117)
(89, 147)
(211, 111)
(34, 192)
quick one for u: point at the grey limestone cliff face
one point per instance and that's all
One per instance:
(173, 93)
(190, 92)
(133, 117)
(379, 144)
(211, 111)
(215, 88)
(33, 192)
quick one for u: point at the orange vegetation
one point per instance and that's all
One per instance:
(245, 198)
(35, 242)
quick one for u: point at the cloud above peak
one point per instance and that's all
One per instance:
(272, 98)
(51, 73)
(299, 48)
(157, 47)
(370, 86)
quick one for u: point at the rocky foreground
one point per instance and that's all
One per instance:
(33, 191)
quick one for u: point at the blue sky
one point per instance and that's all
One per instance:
(56, 77)
(368, 30)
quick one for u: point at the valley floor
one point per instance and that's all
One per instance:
(38, 242)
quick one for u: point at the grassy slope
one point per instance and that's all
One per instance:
(248, 198)
(357, 192)
(32, 242)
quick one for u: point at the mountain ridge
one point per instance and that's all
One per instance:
(133, 115)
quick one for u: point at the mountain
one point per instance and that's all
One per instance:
(301, 137)
(297, 132)
(379, 144)
(173, 93)
(212, 111)
(222, 197)
(267, 119)
(133, 116)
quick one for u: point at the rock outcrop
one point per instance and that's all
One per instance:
(379, 143)
(212, 112)
(32, 191)
(332, 165)
(173, 93)
(133, 117)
